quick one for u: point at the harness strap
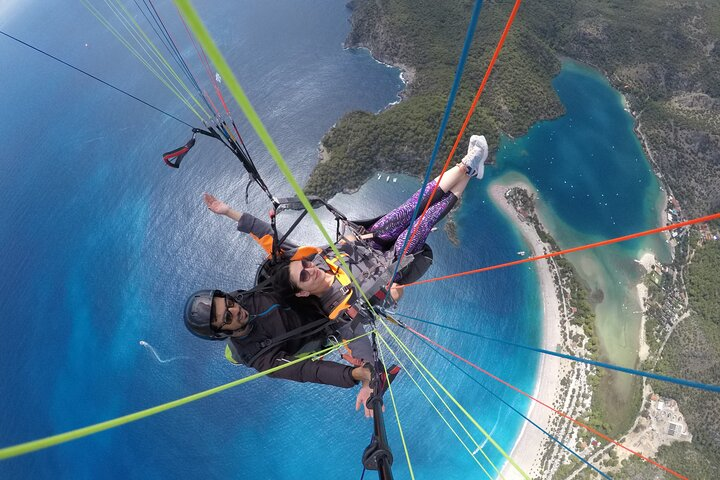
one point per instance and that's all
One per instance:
(174, 157)
(379, 290)
(345, 282)
(300, 332)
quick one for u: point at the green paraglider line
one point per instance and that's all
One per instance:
(205, 40)
(35, 445)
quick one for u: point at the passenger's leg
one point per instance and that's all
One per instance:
(453, 176)
(388, 228)
(434, 214)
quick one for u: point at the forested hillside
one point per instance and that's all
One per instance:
(428, 36)
(663, 55)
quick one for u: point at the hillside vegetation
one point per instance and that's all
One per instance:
(663, 55)
(428, 36)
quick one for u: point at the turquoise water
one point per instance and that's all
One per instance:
(588, 165)
(101, 244)
(594, 183)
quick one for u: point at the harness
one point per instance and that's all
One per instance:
(264, 346)
(373, 280)
(345, 287)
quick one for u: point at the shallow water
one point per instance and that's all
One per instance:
(595, 183)
(102, 243)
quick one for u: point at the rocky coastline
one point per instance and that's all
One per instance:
(659, 115)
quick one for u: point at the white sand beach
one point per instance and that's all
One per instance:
(528, 448)
(647, 261)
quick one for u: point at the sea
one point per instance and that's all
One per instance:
(102, 243)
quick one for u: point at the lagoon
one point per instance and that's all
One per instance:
(595, 183)
(105, 243)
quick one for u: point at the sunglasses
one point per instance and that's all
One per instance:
(228, 317)
(304, 274)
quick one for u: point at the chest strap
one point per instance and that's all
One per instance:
(345, 287)
(266, 345)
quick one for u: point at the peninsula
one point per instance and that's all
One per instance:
(664, 58)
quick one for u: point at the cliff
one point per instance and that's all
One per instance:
(425, 38)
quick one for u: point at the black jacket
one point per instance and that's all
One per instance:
(277, 322)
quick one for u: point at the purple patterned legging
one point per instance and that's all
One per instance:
(393, 227)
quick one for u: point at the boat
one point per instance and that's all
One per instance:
(521, 253)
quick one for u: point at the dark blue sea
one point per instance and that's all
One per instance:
(101, 244)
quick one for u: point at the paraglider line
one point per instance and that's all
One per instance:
(571, 250)
(414, 227)
(441, 132)
(51, 441)
(435, 349)
(95, 78)
(558, 412)
(639, 373)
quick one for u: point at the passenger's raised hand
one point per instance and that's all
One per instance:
(215, 205)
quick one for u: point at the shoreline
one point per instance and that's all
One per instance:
(528, 448)
(647, 260)
(407, 73)
(531, 444)
(407, 76)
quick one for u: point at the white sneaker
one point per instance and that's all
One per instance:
(476, 156)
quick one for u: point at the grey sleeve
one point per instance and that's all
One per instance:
(253, 225)
(261, 232)
(326, 373)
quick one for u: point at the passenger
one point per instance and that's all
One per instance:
(312, 278)
(312, 271)
(263, 334)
